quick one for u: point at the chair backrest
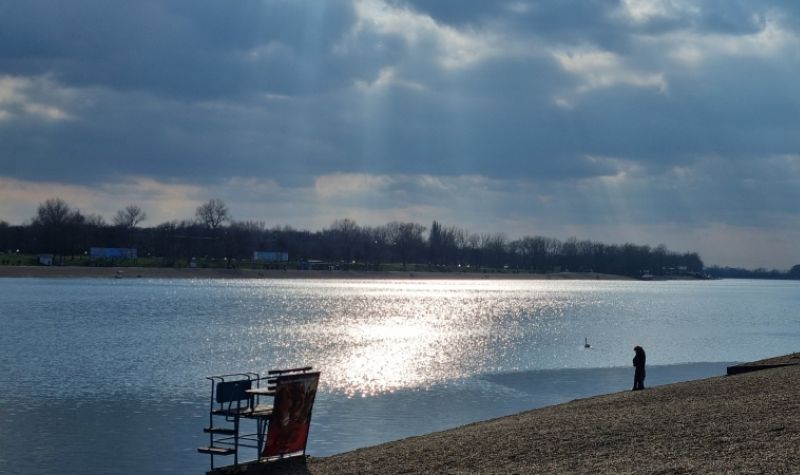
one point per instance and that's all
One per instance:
(275, 374)
(232, 391)
(304, 369)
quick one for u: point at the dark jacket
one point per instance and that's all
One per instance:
(639, 359)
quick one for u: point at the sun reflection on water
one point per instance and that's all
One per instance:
(387, 355)
(373, 337)
(381, 337)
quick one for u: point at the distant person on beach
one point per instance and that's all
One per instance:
(638, 363)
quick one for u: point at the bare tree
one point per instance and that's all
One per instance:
(407, 239)
(251, 226)
(379, 240)
(345, 235)
(95, 220)
(213, 214)
(56, 212)
(58, 225)
(494, 246)
(129, 217)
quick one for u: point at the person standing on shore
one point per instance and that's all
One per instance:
(638, 363)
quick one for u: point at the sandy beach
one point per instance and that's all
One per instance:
(748, 423)
(201, 273)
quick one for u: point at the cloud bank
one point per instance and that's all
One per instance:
(654, 121)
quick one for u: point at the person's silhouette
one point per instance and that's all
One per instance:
(638, 363)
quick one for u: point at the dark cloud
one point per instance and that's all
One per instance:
(189, 49)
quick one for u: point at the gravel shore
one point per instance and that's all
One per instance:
(748, 423)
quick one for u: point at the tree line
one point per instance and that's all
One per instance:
(760, 273)
(62, 230)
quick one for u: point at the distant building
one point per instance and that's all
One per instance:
(271, 256)
(45, 259)
(112, 253)
(314, 264)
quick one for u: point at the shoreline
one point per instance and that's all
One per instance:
(747, 423)
(214, 273)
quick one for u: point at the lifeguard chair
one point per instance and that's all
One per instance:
(278, 405)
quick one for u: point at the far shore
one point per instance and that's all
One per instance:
(215, 273)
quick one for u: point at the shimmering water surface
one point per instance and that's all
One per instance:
(108, 375)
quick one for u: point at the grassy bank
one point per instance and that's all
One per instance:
(222, 273)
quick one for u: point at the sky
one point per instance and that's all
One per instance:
(671, 122)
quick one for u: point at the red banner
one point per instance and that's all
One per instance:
(291, 414)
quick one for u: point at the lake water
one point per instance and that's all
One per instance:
(107, 376)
